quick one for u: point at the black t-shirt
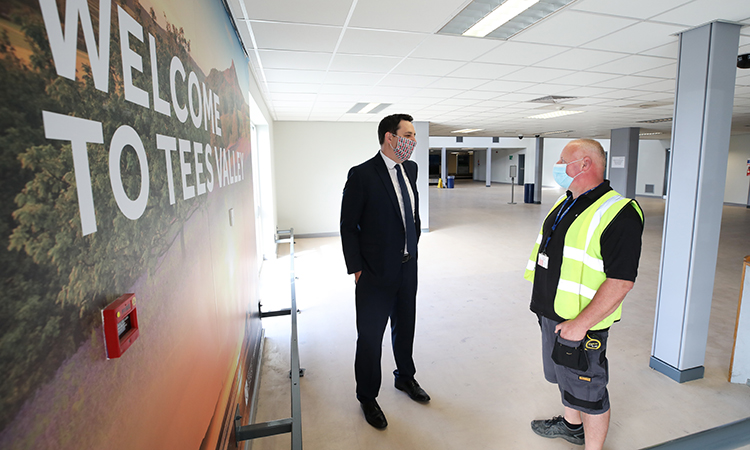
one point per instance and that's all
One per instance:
(620, 246)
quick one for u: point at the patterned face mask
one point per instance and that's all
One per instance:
(404, 148)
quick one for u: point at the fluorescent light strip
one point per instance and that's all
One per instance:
(468, 130)
(554, 114)
(500, 16)
(369, 107)
(547, 133)
(651, 134)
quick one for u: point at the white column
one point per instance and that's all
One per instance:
(538, 169)
(623, 160)
(444, 166)
(700, 148)
(488, 168)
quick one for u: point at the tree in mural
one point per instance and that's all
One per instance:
(56, 280)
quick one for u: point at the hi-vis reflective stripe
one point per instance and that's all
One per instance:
(539, 239)
(531, 265)
(597, 218)
(579, 255)
(576, 288)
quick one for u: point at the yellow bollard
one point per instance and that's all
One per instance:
(440, 183)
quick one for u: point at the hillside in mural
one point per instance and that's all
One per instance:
(57, 278)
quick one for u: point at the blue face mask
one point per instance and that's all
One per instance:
(561, 176)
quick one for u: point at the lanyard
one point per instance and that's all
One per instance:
(560, 214)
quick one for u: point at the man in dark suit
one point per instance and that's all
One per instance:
(380, 228)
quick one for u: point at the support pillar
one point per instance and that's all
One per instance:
(692, 218)
(623, 160)
(488, 168)
(538, 170)
(444, 166)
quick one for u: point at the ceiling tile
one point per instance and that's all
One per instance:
(536, 74)
(503, 86)
(392, 91)
(457, 83)
(437, 93)
(285, 36)
(668, 71)
(293, 98)
(699, 12)
(653, 96)
(460, 102)
(637, 38)
(274, 59)
(426, 16)
(323, 12)
(572, 28)
(580, 59)
(670, 50)
(641, 9)
(483, 70)
(626, 82)
(344, 89)
(407, 80)
(582, 91)
(459, 48)
(520, 53)
(544, 89)
(585, 78)
(293, 87)
(353, 78)
(379, 43)
(360, 63)
(477, 95)
(659, 86)
(632, 64)
(294, 76)
(431, 67)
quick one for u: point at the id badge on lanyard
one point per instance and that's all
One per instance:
(543, 260)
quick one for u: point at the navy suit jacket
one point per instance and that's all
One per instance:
(372, 231)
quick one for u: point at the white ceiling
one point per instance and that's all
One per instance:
(314, 59)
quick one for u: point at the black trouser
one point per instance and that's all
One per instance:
(376, 303)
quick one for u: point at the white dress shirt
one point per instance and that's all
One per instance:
(392, 168)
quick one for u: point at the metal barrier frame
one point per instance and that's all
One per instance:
(293, 424)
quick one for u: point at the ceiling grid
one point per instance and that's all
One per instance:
(315, 60)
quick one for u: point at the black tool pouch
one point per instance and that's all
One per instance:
(570, 354)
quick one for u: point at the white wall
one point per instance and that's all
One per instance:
(737, 180)
(501, 163)
(552, 150)
(651, 159)
(312, 162)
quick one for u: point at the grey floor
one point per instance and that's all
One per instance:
(477, 345)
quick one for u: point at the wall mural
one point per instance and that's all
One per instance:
(124, 167)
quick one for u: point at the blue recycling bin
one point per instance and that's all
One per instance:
(450, 182)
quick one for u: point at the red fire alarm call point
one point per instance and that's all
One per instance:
(120, 325)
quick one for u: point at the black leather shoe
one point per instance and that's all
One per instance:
(374, 415)
(412, 388)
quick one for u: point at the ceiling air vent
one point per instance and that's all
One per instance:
(553, 99)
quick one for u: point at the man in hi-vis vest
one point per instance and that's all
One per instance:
(584, 262)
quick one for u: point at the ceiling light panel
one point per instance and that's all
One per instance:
(479, 9)
(553, 114)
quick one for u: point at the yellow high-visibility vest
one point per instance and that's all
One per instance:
(582, 270)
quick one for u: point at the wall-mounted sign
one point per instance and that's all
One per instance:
(617, 162)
